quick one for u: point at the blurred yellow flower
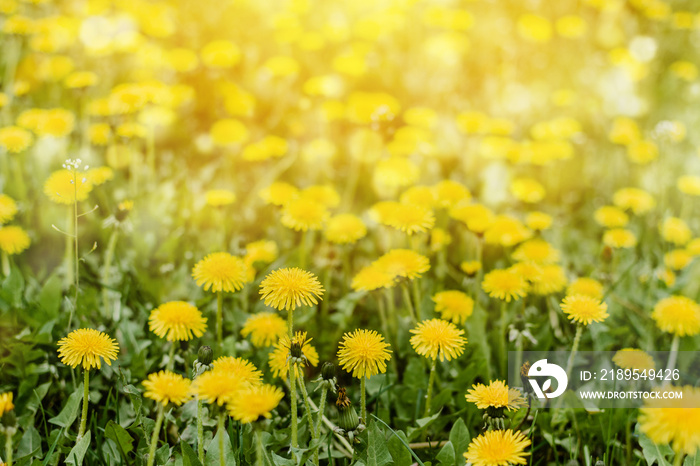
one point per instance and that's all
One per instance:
(571, 26)
(15, 139)
(261, 251)
(220, 197)
(13, 239)
(470, 267)
(220, 54)
(586, 286)
(220, 271)
(453, 305)
(8, 208)
(99, 175)
(534, 28)
(635, 199)
(368, 107)
(303, 214)
(403, 263)
(538, 221)
(99, 134)
(610, 217)
(527, 190)
(167, 387)
(6, 403)
(66, 187)
(630, 358)
(689, 184)
(676, 231)
(264, 328)
(677, 259)
(673, 421)
(536, 250)
(372, 277)
(242, 369)
(279, 193)
(619, 238)
(624, 131)
(345, 229)
(677, 315)
(255, 402)
(228, 131)
(505, 284)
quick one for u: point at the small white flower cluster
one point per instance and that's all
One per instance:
(74, 166)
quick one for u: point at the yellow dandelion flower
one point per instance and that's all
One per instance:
(56, 122)
(345, 229)
(303, 214)
(498, 448)
(403, 263)
(689, 184)
(584, 309)
(536, 250)
(363, 353)
(693, 247)
(505, 284)
(240, 368)
(221, 271)
(289, 288)
(624, 131)
(261, 251)
(450, 193)
(15, 139)
(264, 329)
(677, 315)
(65, 187)
(534, 28)
(538, 221)
(635, 199)
(610, 217)
(586, 286)
(166, 387)
(506, 231)
(630, 358)
(8, 208)
(642, 152)
(418, 195)
(368, 107)
(619, 238)
(323, 194)
(674, 421)
(677, 259)
(218, 386)
(80, 80)
(220, 197)
(550, 279)
(6, 403)
(279, 193)
(394, 173)
(87, 347)
(477, 217)
(676, 231)
(495, 395)
(279, 357)
(254, 402)
(13, 239)
(228, 131)
(439, 239)
(527, 190)
(410, 219)
(99, 134)
(177, 321)
(99, 175)
(470, 267)
(436, 338)
(371, 278)
(220, 54)
(453, 305)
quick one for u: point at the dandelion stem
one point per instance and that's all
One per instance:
(5, 264)
(156, 434)
(302, 249)
(431, 382)
(363, 400)
(305, 394)
(200, 430)
(8, 447)
(219, 318)
(293, 395)
(86, 396)
(407, 299)
(109, 256)
(673, 356)
(220, 432)
(171, 356)
(574, 349)
(321, 408)
(69, 252)
(259, 450)
(678, 458)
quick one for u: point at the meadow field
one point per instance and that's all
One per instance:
(314, 232)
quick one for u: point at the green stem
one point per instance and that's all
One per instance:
(290, 324)
(307, 406)
(8, 448)
(503, 337)
(219, 318)
(417, 299)
(5, 264)
(409, 305)
(293, 395)
(673, 357)
(678, 458)
(171, 356)
(156, 434)
(319, 420)
(302, 249)
(574, 349)
(200, 431)
(109, 256)
(259, 450)
(363, 403)
(431, 382)
(86, 396)
(222, 456)
(69, 252)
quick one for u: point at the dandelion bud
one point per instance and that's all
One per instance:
(607, 254)
(347, 416)
(8, 419)
(328, 371)
(205, 355)
(524, 377)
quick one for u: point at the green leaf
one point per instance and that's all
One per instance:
(399, 453)
(76, 455)
(279, 461)
(69, 413)
(212, 456)
(692, 460)
(423, 424)
(189, 457)
(50, 296)
(446, 457)
(652, 452)
(377, 453)
(29, 444)
(120, 436)
(13, 286)
(460, 438)
(405, 444)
